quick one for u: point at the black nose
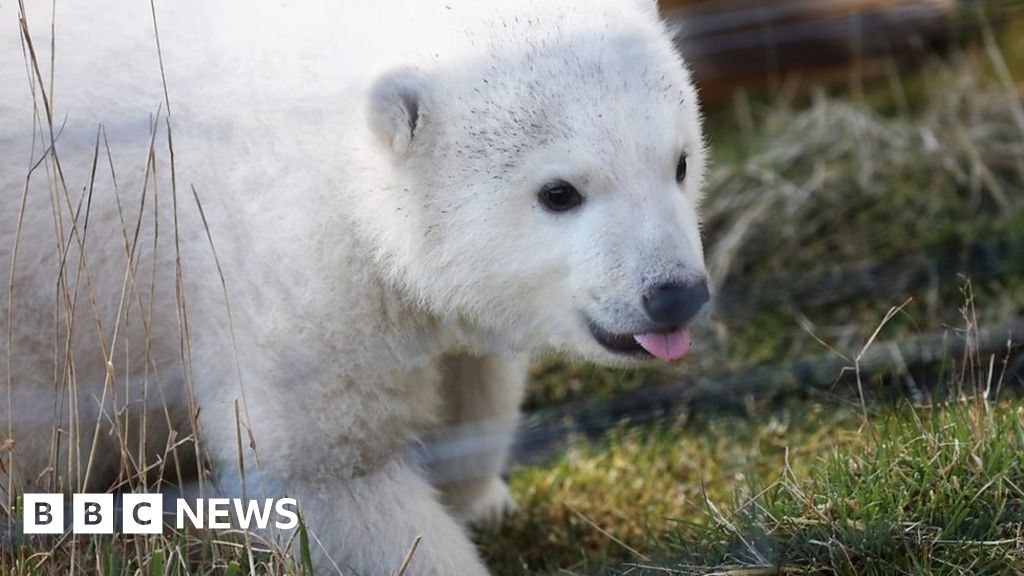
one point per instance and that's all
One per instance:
(671, 305)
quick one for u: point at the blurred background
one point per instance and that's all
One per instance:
(864, 228)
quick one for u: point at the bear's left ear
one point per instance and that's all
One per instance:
(396, 108)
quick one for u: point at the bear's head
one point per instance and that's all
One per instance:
(547, 187)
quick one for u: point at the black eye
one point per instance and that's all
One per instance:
(560, 197)
(681, 169)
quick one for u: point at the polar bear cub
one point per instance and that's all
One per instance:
(320, 232)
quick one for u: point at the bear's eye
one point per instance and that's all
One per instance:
(560, 196)
(681, 169)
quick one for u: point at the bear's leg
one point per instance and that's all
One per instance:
(367, 524)
(338, 450)
(466, 457)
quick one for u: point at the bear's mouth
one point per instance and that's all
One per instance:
(666, 345)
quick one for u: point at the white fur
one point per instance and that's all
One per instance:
(369, 177)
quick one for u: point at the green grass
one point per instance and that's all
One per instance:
(806, 489)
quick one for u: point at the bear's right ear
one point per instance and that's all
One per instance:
(397, 103)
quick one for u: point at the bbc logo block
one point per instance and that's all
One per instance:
(142, 514)
(92, 513)
(43, 513)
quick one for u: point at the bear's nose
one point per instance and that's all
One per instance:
(673, 304)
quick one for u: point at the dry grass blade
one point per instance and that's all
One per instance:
(864, 350)
(407, 560)
(607, 534)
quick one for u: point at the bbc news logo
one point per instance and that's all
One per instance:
(144, 513)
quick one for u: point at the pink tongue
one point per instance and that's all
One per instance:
(667, 347)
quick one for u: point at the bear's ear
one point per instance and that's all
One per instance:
(397, 103)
